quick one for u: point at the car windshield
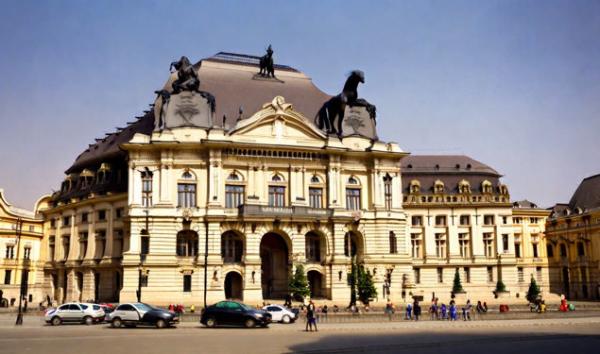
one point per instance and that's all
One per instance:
(143, 307)
(246, 307)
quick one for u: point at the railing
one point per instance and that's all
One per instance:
(300, 211)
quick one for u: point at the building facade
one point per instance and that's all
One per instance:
(573, 233)
(234, 178)
(21, 253)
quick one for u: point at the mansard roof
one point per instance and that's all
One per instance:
(450, 169)
(587, 195)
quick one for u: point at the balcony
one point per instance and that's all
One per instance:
(287, 211)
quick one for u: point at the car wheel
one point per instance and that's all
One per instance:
(116, 323)
(286, 319)
(56, 321)
(88, 320)
(211, 322)
(161, 323)
(250, 323)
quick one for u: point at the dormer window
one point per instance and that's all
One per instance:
(464, 187)
(415, 186)
(486, 187)
(438, 187)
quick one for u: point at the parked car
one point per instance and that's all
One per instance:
(233, 313)
(280, 313)
(137, 313)
(75, 312)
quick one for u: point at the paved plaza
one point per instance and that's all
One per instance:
(574, 335)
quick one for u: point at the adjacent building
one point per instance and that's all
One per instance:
(573, 240)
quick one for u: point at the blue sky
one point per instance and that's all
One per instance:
(514, 84)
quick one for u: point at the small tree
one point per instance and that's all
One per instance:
(534, 291)
(298, 284)
(365, 286)
(457, 285)
(500, 287)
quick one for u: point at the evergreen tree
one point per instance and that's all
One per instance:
(534, 291)
(365, 286)
(457, 285)
(500, 287)
(298, 283)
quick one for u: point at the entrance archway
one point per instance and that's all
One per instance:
(315, 281)
(274, 255)
(233, 286)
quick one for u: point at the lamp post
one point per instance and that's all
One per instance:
(23, 285)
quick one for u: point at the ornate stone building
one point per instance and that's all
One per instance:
(21, 254)
(573, 232)
(233, 178)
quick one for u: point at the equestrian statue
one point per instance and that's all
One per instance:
(267, 68)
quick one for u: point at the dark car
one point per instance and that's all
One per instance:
(233, 313)
(138, 313)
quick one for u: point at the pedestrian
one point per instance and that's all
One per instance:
(467, 311)
(48, 300)
(389, 309)
(408, 315)
(480, 309)
(336, 309)
(171, 308)
(417, 309)
(485, 307)
(433, 311)
(288, 301)
(453, 314)
(325, 310)
(310, 317)
(444, 311)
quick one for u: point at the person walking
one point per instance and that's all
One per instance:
(467, 311)
(389, 309)
(417, 309)
(310, 317)
(453, 314)
(444, 312)
(408, 315)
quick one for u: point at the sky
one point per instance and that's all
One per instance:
(514, 84)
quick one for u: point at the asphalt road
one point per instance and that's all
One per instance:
(575, 335)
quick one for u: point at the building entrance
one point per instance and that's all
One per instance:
(233, 286)
(274, 266)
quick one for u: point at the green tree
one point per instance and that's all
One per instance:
(365, 286)
(457, 285)
(500, 287)
(534, 291)
(298, 284)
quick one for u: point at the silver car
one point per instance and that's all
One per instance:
(75, 312)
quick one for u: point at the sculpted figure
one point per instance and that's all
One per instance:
(187, 78)
(266, 64)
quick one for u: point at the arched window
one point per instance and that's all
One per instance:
(486, 187)
(232, 247)
(387, 191)
(234, 191)
(146, 188)
(186, 191)
(352, 180)
(233, 177)
(315, 192)
(277, 195)
(353, 198)
(464, 187)
(352, 245)
(313, 247)
(187, 243)
(277, 178)
(563, 250)
(315, 180)
(415, 186)
(438, 187)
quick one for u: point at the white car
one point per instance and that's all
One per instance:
(75, 312)
(280, 313)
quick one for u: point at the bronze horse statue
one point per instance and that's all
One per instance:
(331, 115)
(266, 64)
(187, 78)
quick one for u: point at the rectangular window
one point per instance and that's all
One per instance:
(276, 196)
(387, 186)
(517, 220)
(84, 217)
(505, 243)
(187, 283)
(101, 215)
(488, 244)
(186, 195)
(234, 196)
(415, 240)
(440, 220)
(440, 245)
(83, 242)
(145, 245)
(7, 273)
(520, 275)
(534, 220)
(52, 223)
(27, 253)
(505, 220)
(538, 274)
(100, 243)
(580, 249)
(119, 213)
(315, 197)
(467, 275)
(463, 245)
(393, 243)
(518, 245)
(465, 220)
(417, 274)
(534, 246)
(10, 252)
(146, 189)
(352, 198)
(549, 251)
(416, 220)
(440, 275)
(66, 221)
(51, 248)
(66, 241)
(488, 219)
(490, 274)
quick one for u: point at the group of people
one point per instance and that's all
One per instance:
(177, 308)
(439, 311)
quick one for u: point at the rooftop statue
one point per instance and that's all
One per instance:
(187, 78)
(331, 116)
(266, 64)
